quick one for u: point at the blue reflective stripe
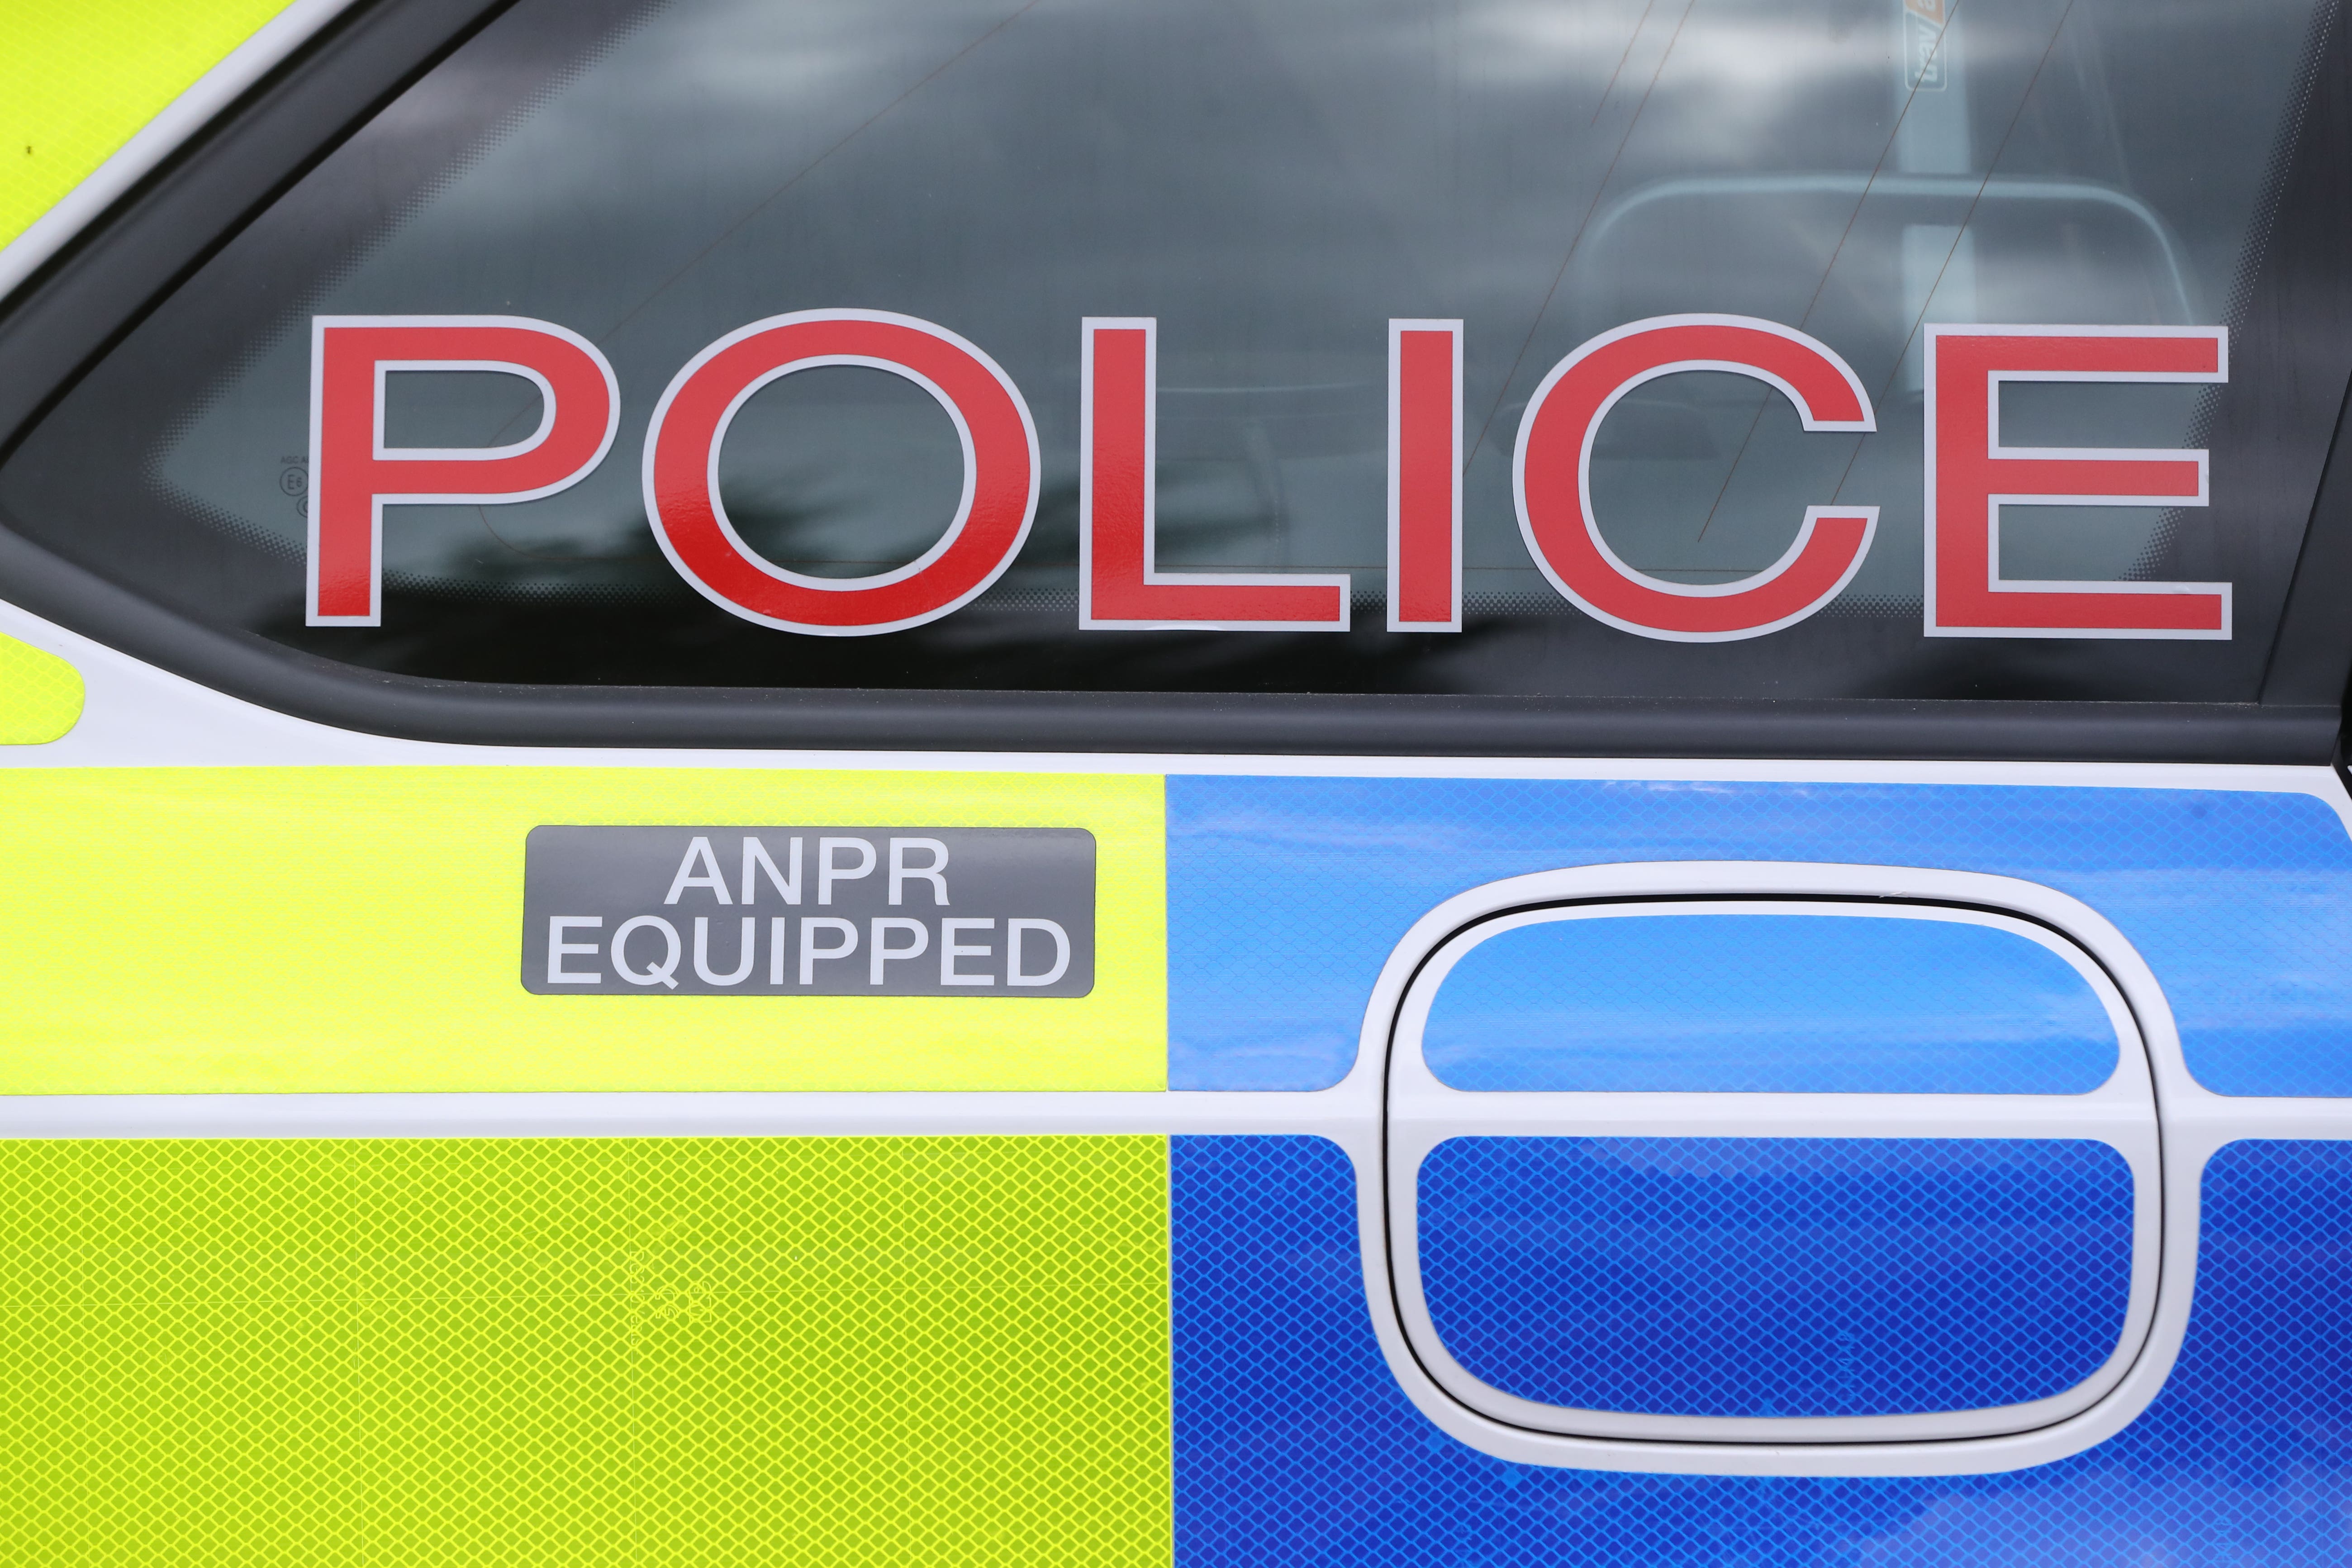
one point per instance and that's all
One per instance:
(1786, 1003)
(1285, 895)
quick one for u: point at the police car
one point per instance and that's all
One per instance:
(1436, 781)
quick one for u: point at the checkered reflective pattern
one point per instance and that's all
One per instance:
(1287, 895)
(575, 1351)
(1295, 1445)
(1776, 1276)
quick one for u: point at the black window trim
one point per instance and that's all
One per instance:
(86, 298)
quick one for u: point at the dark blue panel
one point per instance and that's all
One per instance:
(1776, 1276)
(1782, 1003)
(1295, 1446)
(1285, 895)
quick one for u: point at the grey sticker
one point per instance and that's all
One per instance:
(808, 911)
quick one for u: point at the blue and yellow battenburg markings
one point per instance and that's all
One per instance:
(966, 1349)
(976, 1348)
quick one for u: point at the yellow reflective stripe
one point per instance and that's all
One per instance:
(79, 78)
(40, 695)
(189, 931)
(421, 1353)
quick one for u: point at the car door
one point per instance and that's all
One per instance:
(955, 781)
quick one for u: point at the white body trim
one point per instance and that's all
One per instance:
(1422, 1112)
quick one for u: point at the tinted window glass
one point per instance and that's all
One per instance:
(1273, 183)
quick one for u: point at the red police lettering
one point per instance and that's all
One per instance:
(354, 475)
(1424, 476)
(1120, 585)
(1000, 467)
(1971, 476)
(1551, 478)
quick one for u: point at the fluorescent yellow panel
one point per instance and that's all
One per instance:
(188, 931)
(79, 78)
(40, 695)
(437, 1352)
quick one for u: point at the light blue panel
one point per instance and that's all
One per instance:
(1785, 1004)
(1285, 895)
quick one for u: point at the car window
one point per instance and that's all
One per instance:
(1270, 186)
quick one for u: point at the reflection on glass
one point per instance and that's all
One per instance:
(1273, 181)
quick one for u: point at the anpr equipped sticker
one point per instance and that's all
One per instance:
(819, 911)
